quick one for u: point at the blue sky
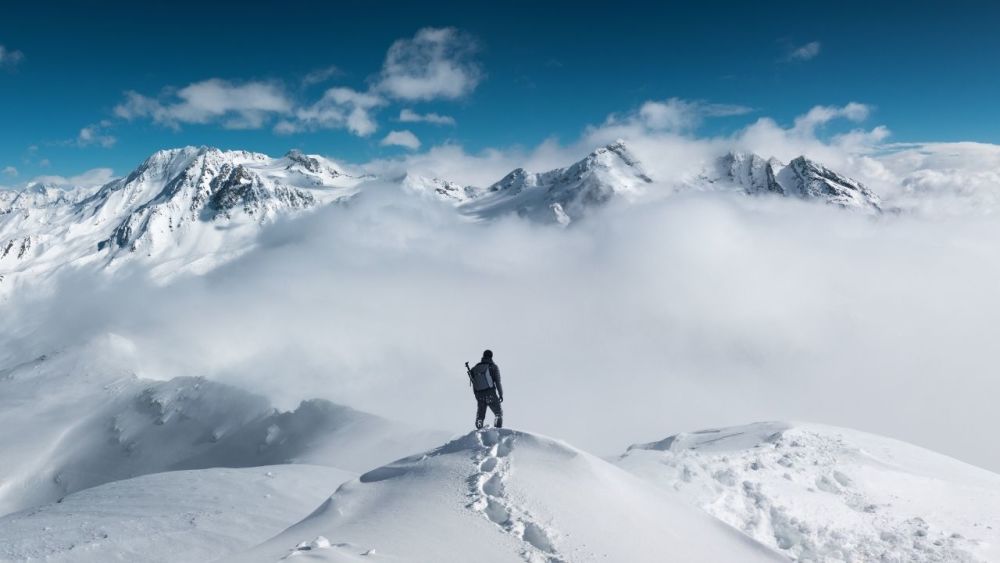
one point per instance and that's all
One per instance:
(512, 73)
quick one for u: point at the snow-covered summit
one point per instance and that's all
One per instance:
(438, 188)
(185, 209)
(506, 496)
(820, 493)
(565, 194)
(802, 177)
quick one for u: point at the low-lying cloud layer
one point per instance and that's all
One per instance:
(691, 311)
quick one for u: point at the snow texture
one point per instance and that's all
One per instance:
(84, 419)
(507, 496)
(198, 515)
(820, 493)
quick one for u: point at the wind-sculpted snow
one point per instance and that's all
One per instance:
(819, 493)
(177, 516)
(506, 496)
(83, 421)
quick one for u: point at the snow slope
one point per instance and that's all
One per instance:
(819, 493)
(168, 517)
(83, 418)
(504, 496)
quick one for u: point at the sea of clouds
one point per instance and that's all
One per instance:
(684, 311)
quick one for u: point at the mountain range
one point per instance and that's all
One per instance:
(188, 210)
(104, 461)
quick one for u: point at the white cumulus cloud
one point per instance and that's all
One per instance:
(246, 105)
(805, 52)
(320, 75)
(401, 139)
(676, 114)
(93, 177)
(96, 134)
(821, 115)
(10, 57)
(435, 63)
(338, 108)
(9, 171)
(409, 116)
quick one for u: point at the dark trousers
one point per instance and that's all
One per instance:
(488, 398)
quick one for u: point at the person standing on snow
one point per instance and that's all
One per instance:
(485, 380)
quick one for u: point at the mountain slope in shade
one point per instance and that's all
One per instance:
(564, 194)
(819, 493)
(168, 517)
(506, 496)
(802, 178)
(83, 419)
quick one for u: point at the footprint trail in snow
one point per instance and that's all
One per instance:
(490, 498)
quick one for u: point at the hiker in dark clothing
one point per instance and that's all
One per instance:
(485, 377)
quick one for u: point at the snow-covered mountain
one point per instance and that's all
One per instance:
(443, 190)
(819, 493)
(564, 194)
(802, 178)
(189, 210)
(186, 209)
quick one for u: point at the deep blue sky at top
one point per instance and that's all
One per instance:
(551, 68)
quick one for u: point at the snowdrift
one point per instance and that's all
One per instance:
(503, 496)
(168, 517)
(819, 493)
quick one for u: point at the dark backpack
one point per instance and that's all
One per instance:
(482, 377)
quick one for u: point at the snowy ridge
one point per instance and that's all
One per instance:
(505, 496)
(110, 466)
(489, 498)
(564, 194)
(102, 424)
(802, 178)
(443, 190)
(820, 493)
(168, 517)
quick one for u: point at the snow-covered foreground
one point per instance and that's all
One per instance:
(197, 515)
(820, 493)
(504, 496)
(99, 464)
(761, 492)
